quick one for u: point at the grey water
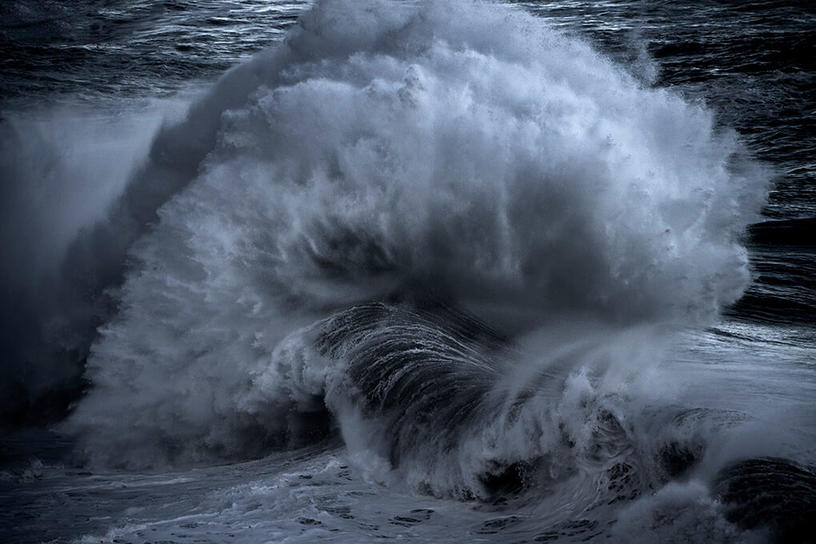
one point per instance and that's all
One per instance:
(349, 271)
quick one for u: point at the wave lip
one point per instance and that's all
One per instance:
(772, 493)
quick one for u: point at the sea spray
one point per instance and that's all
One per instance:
(463, 152)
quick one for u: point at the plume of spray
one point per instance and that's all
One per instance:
(462, 150)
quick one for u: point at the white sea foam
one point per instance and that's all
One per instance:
(462, 150)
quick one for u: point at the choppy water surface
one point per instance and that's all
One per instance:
(54, 50)
(435, 270)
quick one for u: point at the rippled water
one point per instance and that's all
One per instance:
(83, 49)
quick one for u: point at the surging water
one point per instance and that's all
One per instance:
(459, 238)
(418, 157)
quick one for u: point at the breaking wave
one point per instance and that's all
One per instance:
(437, 223)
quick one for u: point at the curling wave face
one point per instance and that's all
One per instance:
(460, 152)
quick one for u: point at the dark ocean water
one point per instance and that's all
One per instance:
(82, 50)
(442, 271)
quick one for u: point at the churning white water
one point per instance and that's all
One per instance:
(464, 150)
(466, 254)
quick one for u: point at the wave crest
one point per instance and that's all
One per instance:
(463, 151)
